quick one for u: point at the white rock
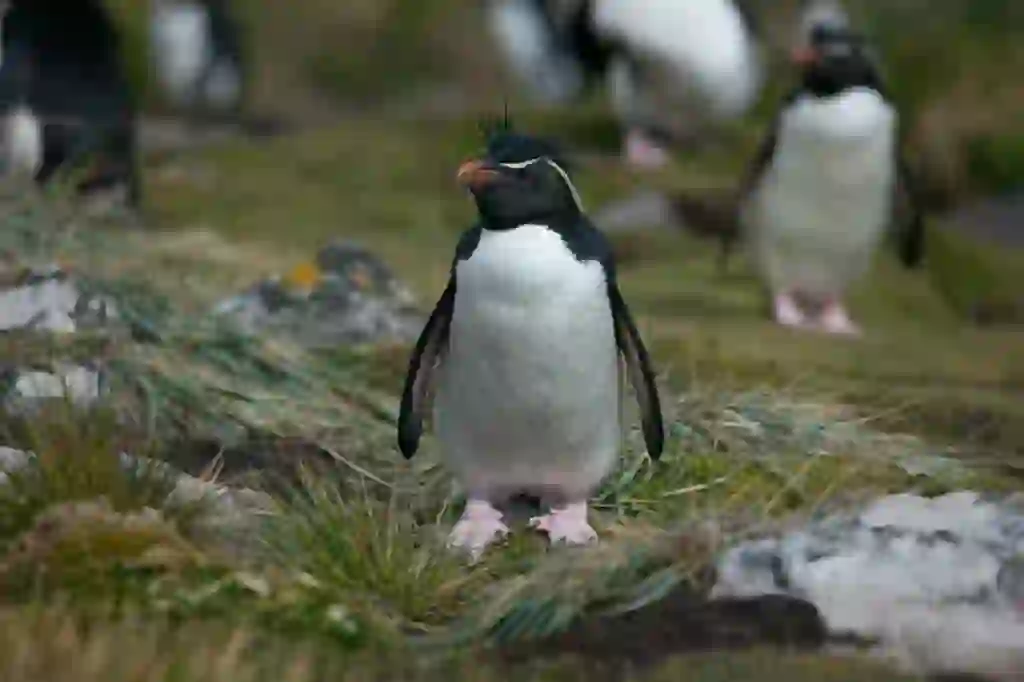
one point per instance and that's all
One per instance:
(48, 305)
(50, 300)
(11, 460)
(80, 385)
(930, 579)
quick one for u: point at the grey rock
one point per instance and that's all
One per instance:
(78, 385)
(46, 304)
(933, 466)
(10, 461)
(351, 298)
(935, 582)
(997, 220)
(49, 299)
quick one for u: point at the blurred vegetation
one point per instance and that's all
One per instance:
(950, 67)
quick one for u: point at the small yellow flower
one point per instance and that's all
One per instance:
(304, 277)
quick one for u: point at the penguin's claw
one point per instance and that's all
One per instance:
(642, 152)
(481, 526)
(834, 320)
(788, 313)
(566, 525)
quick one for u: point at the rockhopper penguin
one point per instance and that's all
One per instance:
(671, 66)
(198, 55)
(64, 96)
(524, 347)
(818, 197)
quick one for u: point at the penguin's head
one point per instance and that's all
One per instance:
(834, 59)
(814, 13)
(519, 180)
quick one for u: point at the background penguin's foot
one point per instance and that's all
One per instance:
(788, 312)
(643, 152)
(480, 526)
(835, 320)
(566, 525)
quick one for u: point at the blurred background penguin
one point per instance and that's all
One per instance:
(672, 68)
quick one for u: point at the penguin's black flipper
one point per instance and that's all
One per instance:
(766, 149)
(430, 348)
(911, 238)
(756, 168)
(638, 369)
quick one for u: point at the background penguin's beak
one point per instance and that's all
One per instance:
(475, 174)
(803, 56)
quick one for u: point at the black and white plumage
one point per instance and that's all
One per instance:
(523, 351)
(198, 56)
(829, 14)
(551, 45)
(64, 94)
(819, 195)
(669, 64)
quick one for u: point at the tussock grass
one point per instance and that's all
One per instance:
(75, 458)
(352, 559)
(374, 547)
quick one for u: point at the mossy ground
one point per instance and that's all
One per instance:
(765, 425)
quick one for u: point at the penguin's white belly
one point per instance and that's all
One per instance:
(23, 139)
(181, 43)
(822, 206)
(528, 397)
(688, 52)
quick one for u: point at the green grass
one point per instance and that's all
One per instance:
(351, 563)
(702, 324)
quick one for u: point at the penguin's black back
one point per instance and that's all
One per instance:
(577, 37)
(226, 36)
(63, 58)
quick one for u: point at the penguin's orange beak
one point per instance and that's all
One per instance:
(803, 56)
(474, 174)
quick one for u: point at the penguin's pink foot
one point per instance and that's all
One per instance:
(787, 311)
(642, 152)
(835, 320)
(566, 525)
(480, 526)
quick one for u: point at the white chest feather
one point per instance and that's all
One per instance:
(530, 267)
(824, 201)
(23, 138)
(529, 392)
(181, 41)
(702, 45)
(849, 136)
